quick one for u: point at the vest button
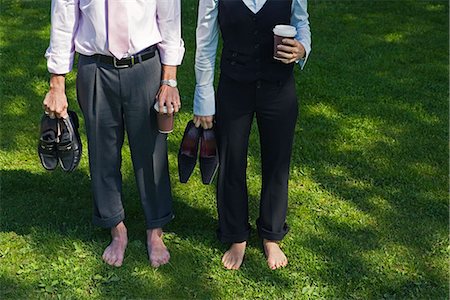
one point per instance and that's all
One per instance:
(258, 84)
(256, 32)
(233, 63)
(257, 60)
(234, 54)
(256, 46)
(254, 19)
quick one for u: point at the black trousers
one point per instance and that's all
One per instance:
(276, 109)
(114, 101)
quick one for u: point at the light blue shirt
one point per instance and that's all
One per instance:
(207, 39)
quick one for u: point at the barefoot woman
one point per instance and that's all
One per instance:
(252, 83)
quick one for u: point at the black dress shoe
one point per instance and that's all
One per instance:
(69, 145)
(209, 157)
(187, 155)
(47, 143)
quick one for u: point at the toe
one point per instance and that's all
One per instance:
(167, 259)
(155, 264)
(271, 263)
(118, 262)
(225, 257)
(164, 260)
(105, 254)
(227, 264)
(112, 260)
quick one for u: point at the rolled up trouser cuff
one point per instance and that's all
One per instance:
(109, 222)
(159, 223)
(233, 238)
(270, 235)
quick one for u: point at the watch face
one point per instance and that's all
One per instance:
(170, 82)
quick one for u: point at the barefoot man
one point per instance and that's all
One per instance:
(128, 56)
(252, 83)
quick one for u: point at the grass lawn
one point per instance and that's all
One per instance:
(368, 191)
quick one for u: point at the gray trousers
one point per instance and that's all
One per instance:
(114, 100)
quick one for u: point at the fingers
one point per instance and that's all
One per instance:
(205, 121)
(62, 114)
(55, 105)
(290, 51)
(287, 49)
(197, 121)
(290, 42)
(170, 98)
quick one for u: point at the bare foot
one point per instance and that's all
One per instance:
(232, 259)
(157, 251)
(275, 257)
(114, 253)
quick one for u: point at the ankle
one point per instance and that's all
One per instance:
(239, 245)
(154, 234)
(119, 232)
(270, 243)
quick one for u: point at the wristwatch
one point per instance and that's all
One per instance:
(170, 82)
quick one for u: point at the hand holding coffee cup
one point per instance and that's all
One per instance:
(163, 118)
(169, 96)
(286, 48)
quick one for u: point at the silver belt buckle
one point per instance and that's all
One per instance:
(120, 66)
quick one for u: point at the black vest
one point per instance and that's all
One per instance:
(247, 53)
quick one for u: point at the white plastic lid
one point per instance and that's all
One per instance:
(285, 31)
(156, 107)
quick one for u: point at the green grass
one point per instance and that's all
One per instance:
(368, 192)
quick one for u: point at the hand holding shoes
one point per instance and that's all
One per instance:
(193, 139)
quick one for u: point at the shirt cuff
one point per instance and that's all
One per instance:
(57, 64)
(170, 55)
(204, 100)
(302, 62)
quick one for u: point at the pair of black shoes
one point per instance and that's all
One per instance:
(193, 139)
(60, 142)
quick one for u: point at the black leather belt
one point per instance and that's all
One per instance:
(127, 61)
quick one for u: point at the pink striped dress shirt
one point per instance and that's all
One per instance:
(81, 26)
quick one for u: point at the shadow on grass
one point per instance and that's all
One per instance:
(24, 73)
(51, 215)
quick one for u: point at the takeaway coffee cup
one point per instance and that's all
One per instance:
(165, 120)
(281, 32)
